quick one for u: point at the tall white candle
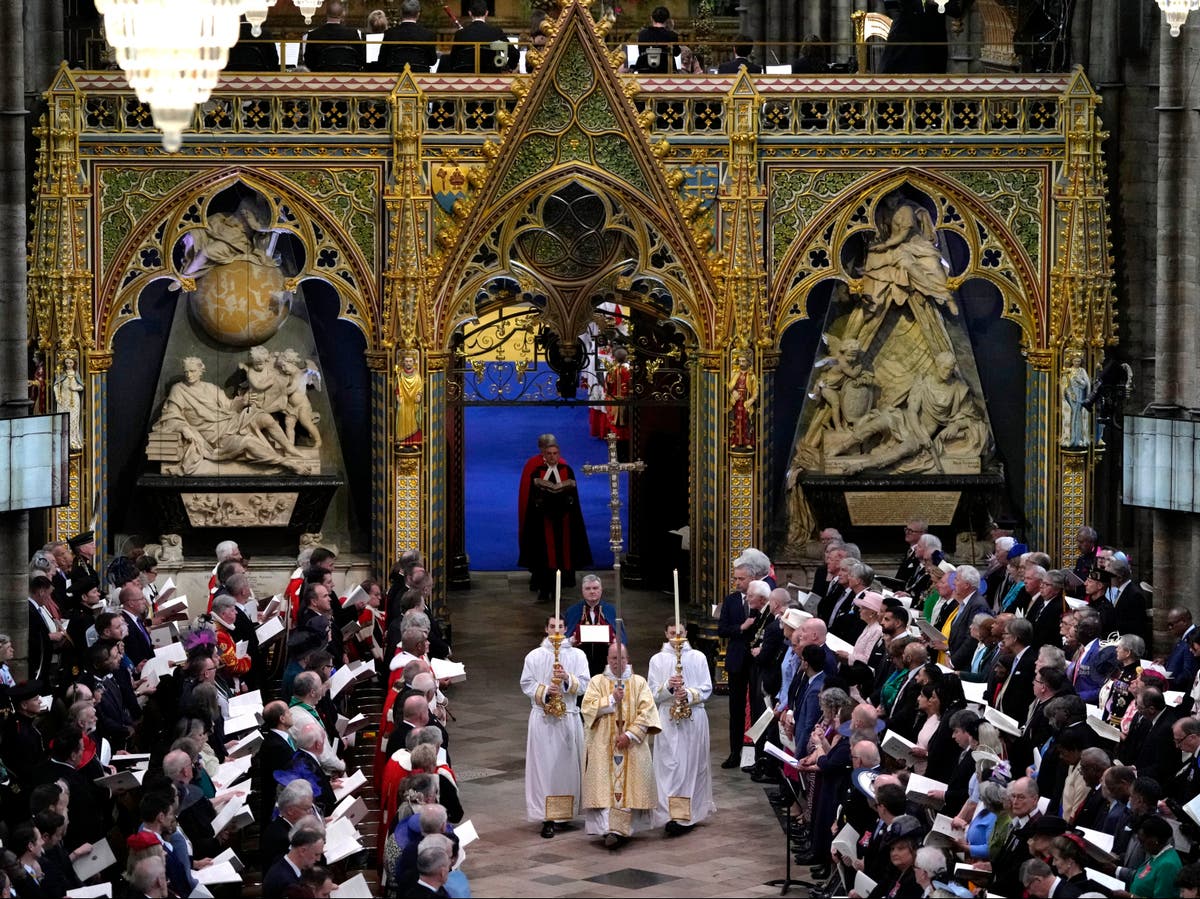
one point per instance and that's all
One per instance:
(677, 598)
(557, 592)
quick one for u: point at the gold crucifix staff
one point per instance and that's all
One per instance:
(614, 469)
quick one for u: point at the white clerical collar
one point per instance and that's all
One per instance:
(552, 473)
(667, 647)
(628, 673)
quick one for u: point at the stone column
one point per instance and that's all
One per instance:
(14, 392)
(1177, 369)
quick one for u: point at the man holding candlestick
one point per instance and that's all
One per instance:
(554, 748)
(681, 748)
(619, 715)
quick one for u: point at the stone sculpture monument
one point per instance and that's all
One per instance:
(895, 394)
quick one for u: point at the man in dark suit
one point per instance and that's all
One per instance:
(1185, 782)
(138, 646)
(1014, 850)
(45, 633)
(408, 43)
(472, 51)
(1035, 727)
(972, 602)
(334, 46)
(844, 620)
(1129, 602)
(740, 615)
(295, 803)
(910, 564)
(831, 540)
(1094, 808)
(835, 589)
(307, 847)
(1045, 613)
(433, 867)
(275, 754)
(1016, 692)
(804, 707)
(309, 743)
(1181, 664)
(902, 716)
(1156, 755)
(742, 48)
(1116, 784)
(86, 822)
(61, 575)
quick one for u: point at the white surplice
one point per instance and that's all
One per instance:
(681, 748)
(554, 747)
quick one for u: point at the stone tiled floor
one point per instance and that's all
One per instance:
(495, 624)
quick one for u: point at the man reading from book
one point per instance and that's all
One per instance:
(552, 531)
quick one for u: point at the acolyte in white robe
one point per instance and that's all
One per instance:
(681, 748)
(554, 747)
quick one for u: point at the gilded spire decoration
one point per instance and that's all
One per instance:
(574, 117)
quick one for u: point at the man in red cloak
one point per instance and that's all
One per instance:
(552, 533)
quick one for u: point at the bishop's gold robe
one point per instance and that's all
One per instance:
(631, 777)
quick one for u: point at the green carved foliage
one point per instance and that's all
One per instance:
(574, 75)
(1015, 195)
(126, 197)
(797, 196)
(614, 154)
(596, 113)
(553, 114)
(533, 155)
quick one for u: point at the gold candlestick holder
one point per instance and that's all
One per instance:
(556, 706)
(681, 709)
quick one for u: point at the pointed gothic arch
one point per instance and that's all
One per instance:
(1022, 282)
(145, 255)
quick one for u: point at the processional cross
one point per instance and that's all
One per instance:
(615, 469)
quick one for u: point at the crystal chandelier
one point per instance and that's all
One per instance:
(172, 53)
(307, 8)
(256, 13)
(1176, 12)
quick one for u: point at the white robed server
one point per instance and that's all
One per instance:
(554, 748)
(681, 749)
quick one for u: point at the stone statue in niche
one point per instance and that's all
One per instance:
(245, 234)
(409, 399)
(941, 419)
(847, 384)
(200, 425)
(239, 293)
(68, 398)
(170, 549)
(299, 376)
(743, 394)
(895, 393)
(1075, 384)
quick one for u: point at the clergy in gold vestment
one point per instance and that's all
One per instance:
(619, 715)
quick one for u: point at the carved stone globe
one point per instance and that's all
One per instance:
(241, 303)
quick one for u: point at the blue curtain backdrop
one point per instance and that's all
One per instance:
(499, 439)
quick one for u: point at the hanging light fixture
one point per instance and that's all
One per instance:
(1176, 12)
(172, 53)
(307, 8)
(255, 12)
